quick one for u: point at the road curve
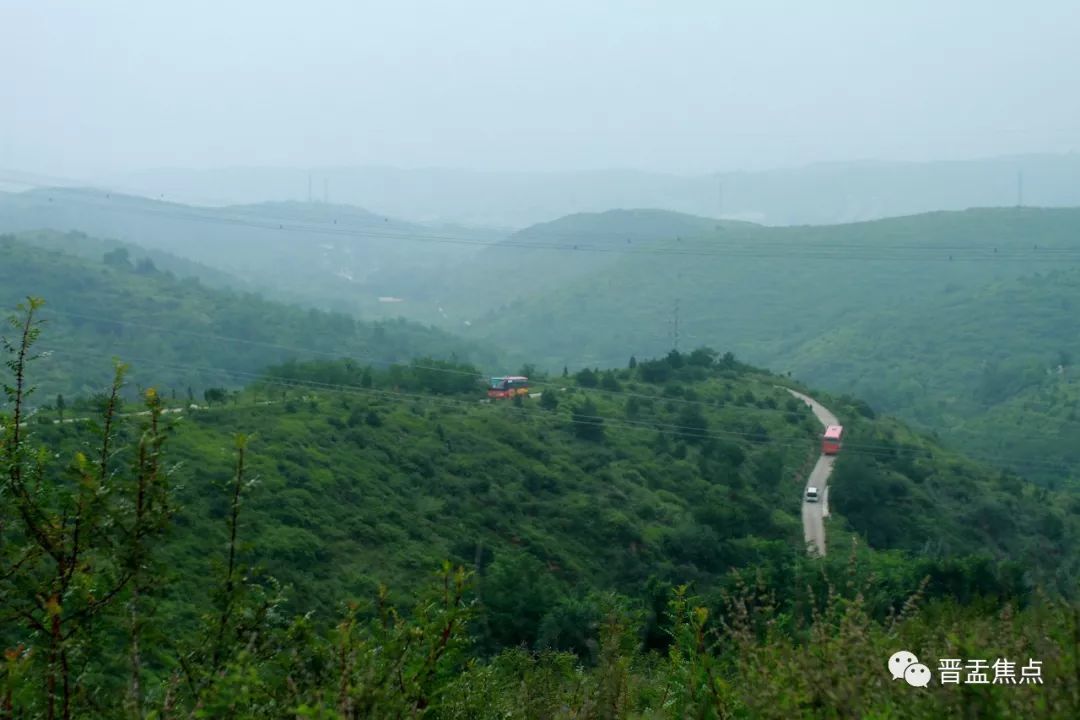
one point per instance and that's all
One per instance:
(814, 514)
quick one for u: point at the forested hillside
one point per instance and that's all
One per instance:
(992, 369)
(93, 248)
(543, 258)
(680, 470)
(941, 318)
(766, 290)
(579, 515)
(180, 333)
(337, 257)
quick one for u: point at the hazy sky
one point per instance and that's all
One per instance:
(102, 86)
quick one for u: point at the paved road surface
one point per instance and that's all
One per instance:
(814, 514)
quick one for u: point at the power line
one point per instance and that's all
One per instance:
(337, 354)
(675, 323)
(349, 354)
(877, 451)
(607, 421)
(1049, 254)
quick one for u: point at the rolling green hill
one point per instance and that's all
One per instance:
(991, 369)
(579, 513)
(928, 316)
(542, 258)
(336, 257)
(94, 249)
(185, 334)
(680, 470)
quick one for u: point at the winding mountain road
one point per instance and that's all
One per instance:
(814, 513)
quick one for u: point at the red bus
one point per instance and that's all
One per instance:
(508, 387)
(831, 441)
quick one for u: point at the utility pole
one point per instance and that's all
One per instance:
(675, 324)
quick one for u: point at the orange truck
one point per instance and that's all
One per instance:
(831, 441)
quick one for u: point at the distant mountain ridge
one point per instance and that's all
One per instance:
(816, 194)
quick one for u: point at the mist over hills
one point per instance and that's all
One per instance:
(616, 483)
(815, 194)
(335, 257)
(151, 310)
(947, 319)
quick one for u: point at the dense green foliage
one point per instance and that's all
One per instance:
(181, 333)
(991, 369)
(768, 290)
(543, 258)
(956, 321)
(144, 259)
(578, 546)
(951, 320)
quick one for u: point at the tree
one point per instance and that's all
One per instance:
(60, 406)
(118, 258)
(692, 423)
(440, 377)
(702, 357)
(587, 378)
(145, 266)
(633, 362)
(215, 395)
(587, 423)
(75, 544)
(565, 371)
(655, 371)
(548, 400)
(516, 595)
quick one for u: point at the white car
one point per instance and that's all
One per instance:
(811, 494)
